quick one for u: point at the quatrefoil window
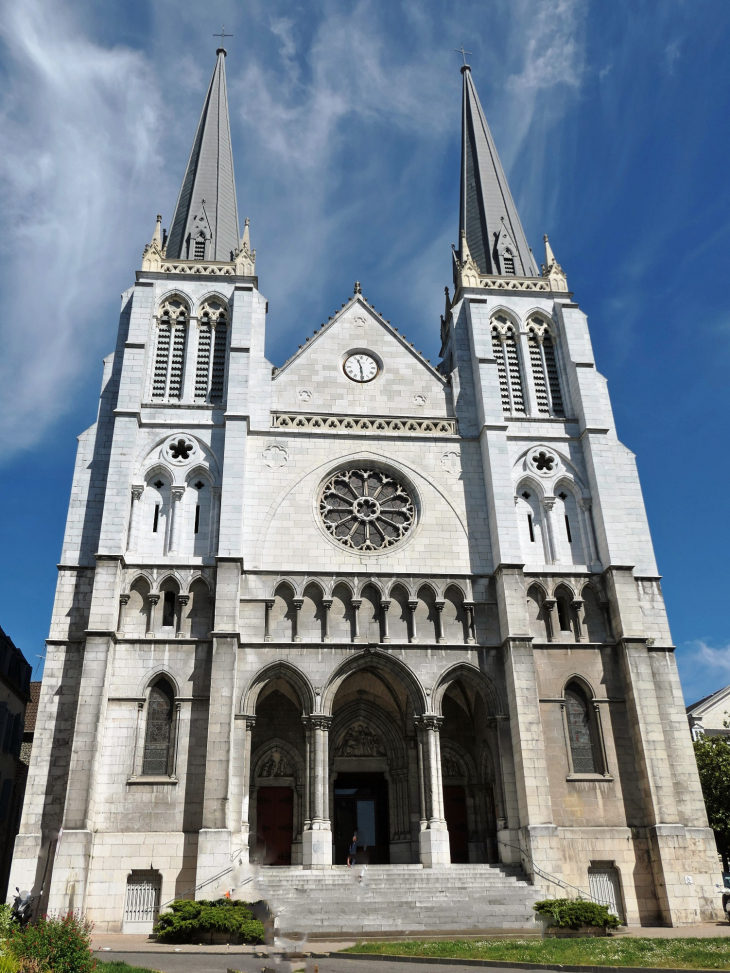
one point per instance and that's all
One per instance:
(366, 509)
(544, 462)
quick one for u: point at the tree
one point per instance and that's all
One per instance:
(713, 762)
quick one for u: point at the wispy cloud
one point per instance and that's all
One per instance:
(702, 664)
(79, 127)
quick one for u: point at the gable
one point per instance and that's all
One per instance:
(314, 380)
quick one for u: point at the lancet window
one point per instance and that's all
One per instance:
(158, 742)
(167, 381)
(583, 733)
(210, 368)
(504, 348)
(544, 366)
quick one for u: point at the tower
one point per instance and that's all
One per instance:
(357, 592)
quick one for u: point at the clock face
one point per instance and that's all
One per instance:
(361, 368)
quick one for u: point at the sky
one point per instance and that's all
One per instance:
(611, 120)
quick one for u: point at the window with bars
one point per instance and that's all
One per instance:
(199, 249)
(218, 372)
(543, 363)
(158, 739)
(202, 368)
(167, 379)
(581, 731)
(508, 264)
(504, 348)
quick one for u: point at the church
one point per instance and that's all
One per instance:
(358, 598)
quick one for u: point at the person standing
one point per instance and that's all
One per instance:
(352, 852)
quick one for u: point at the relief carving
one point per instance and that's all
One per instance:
(360, 741)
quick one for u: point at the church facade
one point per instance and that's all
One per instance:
(357, 593)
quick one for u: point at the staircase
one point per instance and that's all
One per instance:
(399, 900)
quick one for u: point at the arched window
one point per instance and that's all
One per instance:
(168, 610)
(508, 264)
(158, 741)
(504, 348)
(564, 614)
(199, 253)
(582, 732)
(210, 370)
(544, 369)
(167, 380)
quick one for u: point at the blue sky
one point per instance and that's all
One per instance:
(612, 123)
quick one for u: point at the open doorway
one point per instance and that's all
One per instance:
(361, 807)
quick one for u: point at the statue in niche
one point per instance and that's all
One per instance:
(450, 766)
(276, 765)
(360, 741)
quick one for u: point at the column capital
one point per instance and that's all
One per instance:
(327, 603)
(429, 721)
(549, 603)
(178, 492)
(356, 602)
(137, 491)
(413, 604)
(385, 604)
(548, 502)
(124, 598)
(317, 721)
(153, 597)
(298, 602)
(183, 599)
(440, 603)
(250, 719)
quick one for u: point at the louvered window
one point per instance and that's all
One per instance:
(158, 735)
(504, 347)
(218, 373)
(581, 734)
(508, 264)
(202, 370)
(167, 379)
(199, 249)
(544, 367)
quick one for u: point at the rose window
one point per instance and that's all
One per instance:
(366, 509)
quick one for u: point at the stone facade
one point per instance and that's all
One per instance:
(294, 603)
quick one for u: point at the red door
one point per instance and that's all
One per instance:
(455, 812)
(275, 824)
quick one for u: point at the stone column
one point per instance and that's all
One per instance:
(589, 532)
(326, 605)
(123, 602)
(413, 605)
(580, 631)
(440, 638)
(385, 605)
(317, 840)
(295, 636)
(434, 840)
(137, 492)
(249, 723)
(178, 492)
(549, 604)
(152, 599)
(269, 604)
(182, 601)
(548, 505)
(469, 609)
(356, 602)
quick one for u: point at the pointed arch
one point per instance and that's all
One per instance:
(279, 670)
(509, 366)
(474, 677)
(374, 659)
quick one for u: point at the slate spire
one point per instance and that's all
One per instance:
(487, 213)
(205, 225)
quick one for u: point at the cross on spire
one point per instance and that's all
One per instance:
(223, 35)
(460, 50)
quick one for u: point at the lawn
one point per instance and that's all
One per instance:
(687, 954)
(118, 966)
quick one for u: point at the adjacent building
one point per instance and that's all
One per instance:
(15, 675)
(359, 592)
(710, 714)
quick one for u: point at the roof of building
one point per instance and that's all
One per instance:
(487, 215)
(207, 199)
(695, 709)
(31, 710)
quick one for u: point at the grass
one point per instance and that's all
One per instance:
(686, 954)
(119, 966)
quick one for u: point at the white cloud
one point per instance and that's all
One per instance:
(709, 657)
(79, 127)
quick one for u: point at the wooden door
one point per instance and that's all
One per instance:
(275, 824)
(455, 813)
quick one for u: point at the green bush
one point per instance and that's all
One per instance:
(574, 913)
(189, 921)
(7, 923)
(8, 964)
(58, 943)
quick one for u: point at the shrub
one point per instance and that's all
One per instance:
(58, 943)
(188, 921)
(574, 913)
(8, 964)
(7, 923)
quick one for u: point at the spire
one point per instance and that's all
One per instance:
(488, 219)
(552, 269)
(205, 226)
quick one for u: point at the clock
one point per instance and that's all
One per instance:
(361, 368)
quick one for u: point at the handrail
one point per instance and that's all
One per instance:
(551, 878)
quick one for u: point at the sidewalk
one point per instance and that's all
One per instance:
(117, 943)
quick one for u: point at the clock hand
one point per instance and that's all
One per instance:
(362, 377)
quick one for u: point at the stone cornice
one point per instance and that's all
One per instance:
(402, 426)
